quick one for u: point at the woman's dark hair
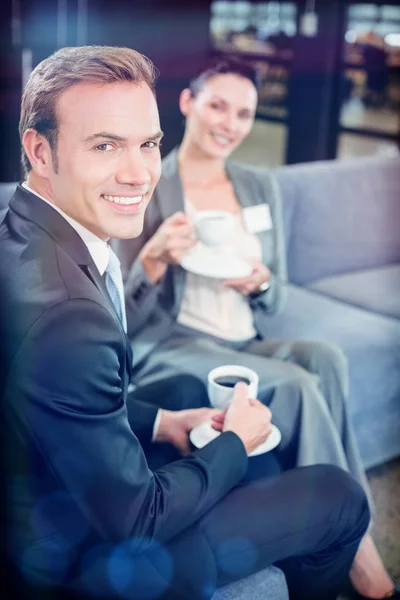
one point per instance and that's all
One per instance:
(224, 67)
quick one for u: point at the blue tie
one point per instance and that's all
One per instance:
(115, 286)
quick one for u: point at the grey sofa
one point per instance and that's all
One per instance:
(342, 227)
(268, 584)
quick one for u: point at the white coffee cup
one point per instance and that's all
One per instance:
(220, 395)
(214, 227)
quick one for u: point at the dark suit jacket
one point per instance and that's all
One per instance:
(77, 473)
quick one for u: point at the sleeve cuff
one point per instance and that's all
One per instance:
(156, 425)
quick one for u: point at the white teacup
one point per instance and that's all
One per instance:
(214, 227)
(221, 382)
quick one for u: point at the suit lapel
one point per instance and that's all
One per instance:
(241, 187)
(31, 207)
(171, 194)
(129, 360)
(92, 272)
(171, 191)
(249, 192)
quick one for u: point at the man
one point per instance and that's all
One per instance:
(86, 512)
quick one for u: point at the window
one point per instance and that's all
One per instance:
(371, 79)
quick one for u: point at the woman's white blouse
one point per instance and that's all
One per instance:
(213, 308)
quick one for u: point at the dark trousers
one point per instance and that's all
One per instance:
(308, 521)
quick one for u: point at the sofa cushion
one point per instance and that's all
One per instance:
(268, 584)
(340, 216)
(377, 290)
(371, 343)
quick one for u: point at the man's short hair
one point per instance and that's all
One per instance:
(68, 67)
(224, 67)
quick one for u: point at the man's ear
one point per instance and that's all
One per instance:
(38, 151)
(185, 100)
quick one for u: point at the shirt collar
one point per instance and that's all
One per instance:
(98, 248)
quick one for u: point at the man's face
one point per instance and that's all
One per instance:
(108, 156)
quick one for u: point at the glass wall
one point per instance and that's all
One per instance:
(262, 33)
(371, 81)
(363, 111)
(260, 28)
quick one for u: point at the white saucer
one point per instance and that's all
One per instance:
(203, 434)
(212, 263)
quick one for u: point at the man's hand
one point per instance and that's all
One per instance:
(247, 285)
(168, 245)
(248, 418)
(175, 426)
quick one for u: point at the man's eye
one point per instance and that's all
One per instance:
(104, 147)
(216, 106)
(151, 144)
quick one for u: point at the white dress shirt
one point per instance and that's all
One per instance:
(99, 251)
(210, 306)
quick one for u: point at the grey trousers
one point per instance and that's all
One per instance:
(304, 383)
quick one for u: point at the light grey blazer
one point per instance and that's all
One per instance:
(153, 309)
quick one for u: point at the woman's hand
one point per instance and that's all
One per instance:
(247, 285)
(167, 246)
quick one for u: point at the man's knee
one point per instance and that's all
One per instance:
(191, 390)
(346, 494)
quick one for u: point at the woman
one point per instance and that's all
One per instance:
(183, 322)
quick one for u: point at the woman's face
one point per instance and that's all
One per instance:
(221, 115)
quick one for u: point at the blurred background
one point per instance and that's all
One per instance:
(329, 69)
(330, 88)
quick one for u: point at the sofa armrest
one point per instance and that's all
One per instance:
(267, 584)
